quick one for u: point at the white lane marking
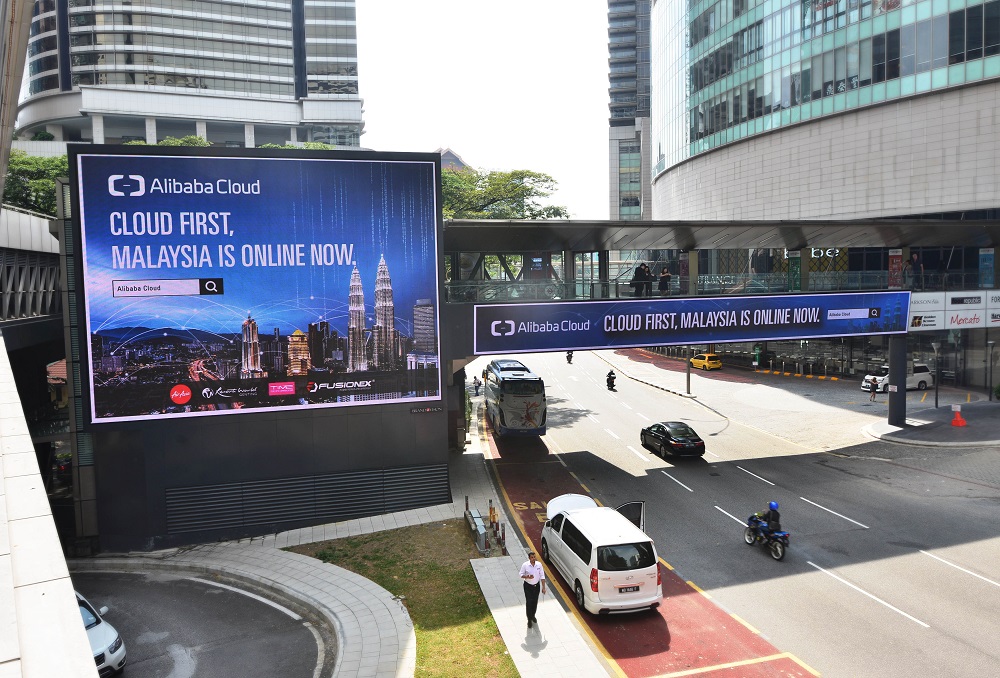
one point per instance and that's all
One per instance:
(320, 646)
(612, 434)
(249, 595)
(626, 406)
(713, 454)
(875, 598)
(833, 512)
(957, 567)
(643, 416)
(677, 481)
(756, 476)
(593, 418)
(574, 377)
(636, 452)
(741, 522)
(550, 441)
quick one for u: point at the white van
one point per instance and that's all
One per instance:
(603, 554)
(918, 376)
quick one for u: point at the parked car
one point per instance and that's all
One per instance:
(603, 554)
(918, 376)
(105, 642)
(706, 361)
(672, 437)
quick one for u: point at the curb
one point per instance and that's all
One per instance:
(890, 437)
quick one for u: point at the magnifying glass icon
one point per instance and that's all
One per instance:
(210, 286)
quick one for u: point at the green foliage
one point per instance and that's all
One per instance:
(31, 181)
(189, 140)
(477, 194)
(309, 145)
(43, 136)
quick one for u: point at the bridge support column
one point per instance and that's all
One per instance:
(897, 378)
(688, 273)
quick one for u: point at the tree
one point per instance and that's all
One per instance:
(471, 193)
(31, 181)
(189, 140)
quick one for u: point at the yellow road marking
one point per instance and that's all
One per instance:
(745, 623)
(923, 397)
(968, 397)
(745, 662)
(695, 587)
(666, 564)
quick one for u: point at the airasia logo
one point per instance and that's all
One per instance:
(180, 394)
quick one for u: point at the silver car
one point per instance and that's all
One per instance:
(105, 641)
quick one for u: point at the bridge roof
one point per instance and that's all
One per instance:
(478, 235)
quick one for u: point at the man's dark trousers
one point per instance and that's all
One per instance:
(531, 599)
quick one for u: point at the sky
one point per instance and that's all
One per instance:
(517, 84)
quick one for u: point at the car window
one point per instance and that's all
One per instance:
(882, 371)
(920, 369)
(682, 430)
(90, 619)
(576, 542)
(699, 357)
(625, 557)
(557, 522)
(656, 428)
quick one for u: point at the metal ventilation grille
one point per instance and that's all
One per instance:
(238, 509)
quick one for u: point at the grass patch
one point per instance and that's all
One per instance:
(429, 565)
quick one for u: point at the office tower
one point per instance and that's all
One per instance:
(319, 339)
(424, 331)
(358, 357)
(384, 331)
(241, 74)
(298, 354)
(250, 364)
(629, 87)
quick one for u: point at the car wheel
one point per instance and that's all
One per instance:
(663, 451)
(578, 594)
(705, 367)
(642, 439)
(922, 386)
(545, 551)
(885, 388)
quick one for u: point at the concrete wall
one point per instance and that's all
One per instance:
(933, 153)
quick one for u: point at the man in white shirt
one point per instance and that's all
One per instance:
(534, 577)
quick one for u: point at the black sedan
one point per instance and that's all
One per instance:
(672, 437)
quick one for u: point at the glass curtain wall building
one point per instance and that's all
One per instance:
(860, 108)
(236, 73)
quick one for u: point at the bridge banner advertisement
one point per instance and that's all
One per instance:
(524, 328)
(219, 282)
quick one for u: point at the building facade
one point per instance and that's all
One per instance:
(844, 109)
(242, 74)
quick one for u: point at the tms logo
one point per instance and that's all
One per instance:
(281, 388)
(119, 184)
(498, 326)
(313, 386)
(180, 394)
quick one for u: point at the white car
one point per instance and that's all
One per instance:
(105, 642)
(918, 377)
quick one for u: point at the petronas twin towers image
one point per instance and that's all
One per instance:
(386, 351)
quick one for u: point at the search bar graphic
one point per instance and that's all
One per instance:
(178, 287)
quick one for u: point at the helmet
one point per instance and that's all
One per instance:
(773, 506)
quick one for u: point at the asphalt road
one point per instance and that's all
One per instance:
(894, 565)
(178, 626)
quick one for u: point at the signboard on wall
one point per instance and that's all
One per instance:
(895, 269)
(523, 328)
(954, 310)
(222, 282)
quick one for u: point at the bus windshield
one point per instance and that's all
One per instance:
(533, 387)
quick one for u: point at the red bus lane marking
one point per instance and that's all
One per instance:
(687, 635)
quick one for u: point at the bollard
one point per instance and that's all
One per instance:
(503, 539)
(487, 545)
(467, 502)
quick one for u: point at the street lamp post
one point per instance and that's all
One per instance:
(937, 371)
(990, 358)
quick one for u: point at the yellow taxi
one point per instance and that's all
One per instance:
(706, 361)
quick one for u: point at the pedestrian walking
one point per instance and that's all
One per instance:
(534, 579)
(874, 389)
(664, 283)
(476, 384)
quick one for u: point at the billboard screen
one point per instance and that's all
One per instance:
(522, 328)
(224, 282)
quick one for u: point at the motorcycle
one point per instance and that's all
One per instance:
(774, 542)
(569, 357)
(611, 382)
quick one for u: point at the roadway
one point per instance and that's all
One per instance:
(893, 566)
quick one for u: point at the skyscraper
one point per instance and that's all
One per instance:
(424, 332)
(628, 63)
(298, 354)
(250, 364)
(384, 331)
(147, 69)
(319, 338)
(358, 356)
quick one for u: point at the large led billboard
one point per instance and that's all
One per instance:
(523, 328)
(234, 281)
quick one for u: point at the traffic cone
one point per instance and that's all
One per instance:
(958, 420)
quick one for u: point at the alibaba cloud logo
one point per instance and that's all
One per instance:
(119, 184)
(502, 328)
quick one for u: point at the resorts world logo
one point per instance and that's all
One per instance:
(234, 392)
(180, 394)
(133, 184)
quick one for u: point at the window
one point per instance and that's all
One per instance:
(865, 62)
(907, 50)
(878, 58)
(956, 37)
(576, 542)
(556, 523)
(974, 33)
(923, 46)
(991, 28)
(622, 557)
(939, 41)
(892, 54)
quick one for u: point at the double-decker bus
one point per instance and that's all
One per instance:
(515, 398)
